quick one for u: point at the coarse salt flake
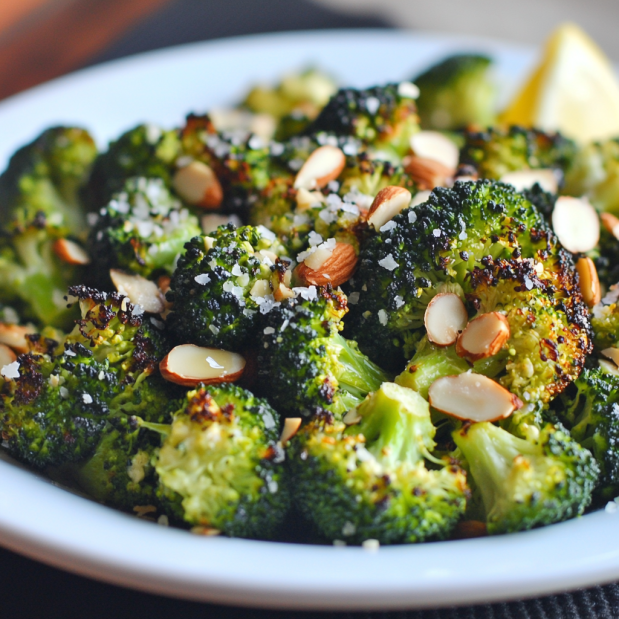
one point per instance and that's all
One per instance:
(268, 330)
(86, 398)
(10, 370)
(412, 217)
(390, 225)
(372, 104)
(382, 317)
(353, 298)
(388, 263)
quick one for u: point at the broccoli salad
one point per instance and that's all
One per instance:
(324, 315)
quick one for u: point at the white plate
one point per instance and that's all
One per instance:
(57, 527)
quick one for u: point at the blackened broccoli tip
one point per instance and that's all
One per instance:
(487, 243)
(383, 118)
(589, 408)
(221, 465)
(370, 480)
(305, 364)
(146, 150)
(525, 484)
(222, 285)
(457, 92)
(497, 151)
(143, 229)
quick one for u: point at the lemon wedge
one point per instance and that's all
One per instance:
(574, 90)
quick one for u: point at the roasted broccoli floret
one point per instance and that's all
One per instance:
(377, 479)
(605, 320)
(220, 464)
(43, 179)
(58, 399)
(146, 150)
(488, 244)
(457, 92)
(305, 365)
(526, 484)
(497, 151)
(40, 209)
(383, 118)
(589, 408)
(143, 229)
(223, 283)
(595, 173)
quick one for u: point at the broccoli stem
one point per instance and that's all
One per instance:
(355, 373)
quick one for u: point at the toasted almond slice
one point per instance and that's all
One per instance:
(351, 417)
(139, 290)
(70, 252)
(6, 355)
(589, 281)
(388, 202)
(576, 224)
(190, 365)
(306, 199)
(420, 197)
(609, 367)
(612, 354)
(428, 173)
(316, 259)
(323, 165)
(197, 184)
(611, 223)
(336, 270)
(212, 221)
(291, 427)
(434, 145)
(467, 529)
(525, 179)
(261, 288)
(445, 317)
(163, 282)
(472, 397)
(281, 292)
(483, 337)
(14, 336)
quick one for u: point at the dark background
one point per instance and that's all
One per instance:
(31, 590)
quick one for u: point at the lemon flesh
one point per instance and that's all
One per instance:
(574, 90)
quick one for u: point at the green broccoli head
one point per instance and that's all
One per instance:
(305, 365)
(146, 150)
(372, 480)
(525, 484)
(589, 408)
(595, 173)
(457, 92)
(605, 320)
(497, 151)
(55, 406)
(117, 333)
(221, 465)
(223, 283)
(42, 181)
(383, 118)
(33, 279)
(488, 244)
(143, 229)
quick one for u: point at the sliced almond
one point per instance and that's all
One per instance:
(70, 252)
(483, 337)
(428, 173)
(14, 336)
(323, 165)
(190, 365)
(6, 355)
(420, 197)
(608, 367)
(351, 417)
(281, 292)
(525, 179)
(212, 221)
(472, 397)
(611, 223)
(291, 427)
(336, 270)
(576, 224)
(318, 257)
(307, 199)
(163, 282)
(434, 145)
(387, 204)
(468, 529)
(589, 281)
(445, 317)
(197, 184)
(139, 290)
(612, 354)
